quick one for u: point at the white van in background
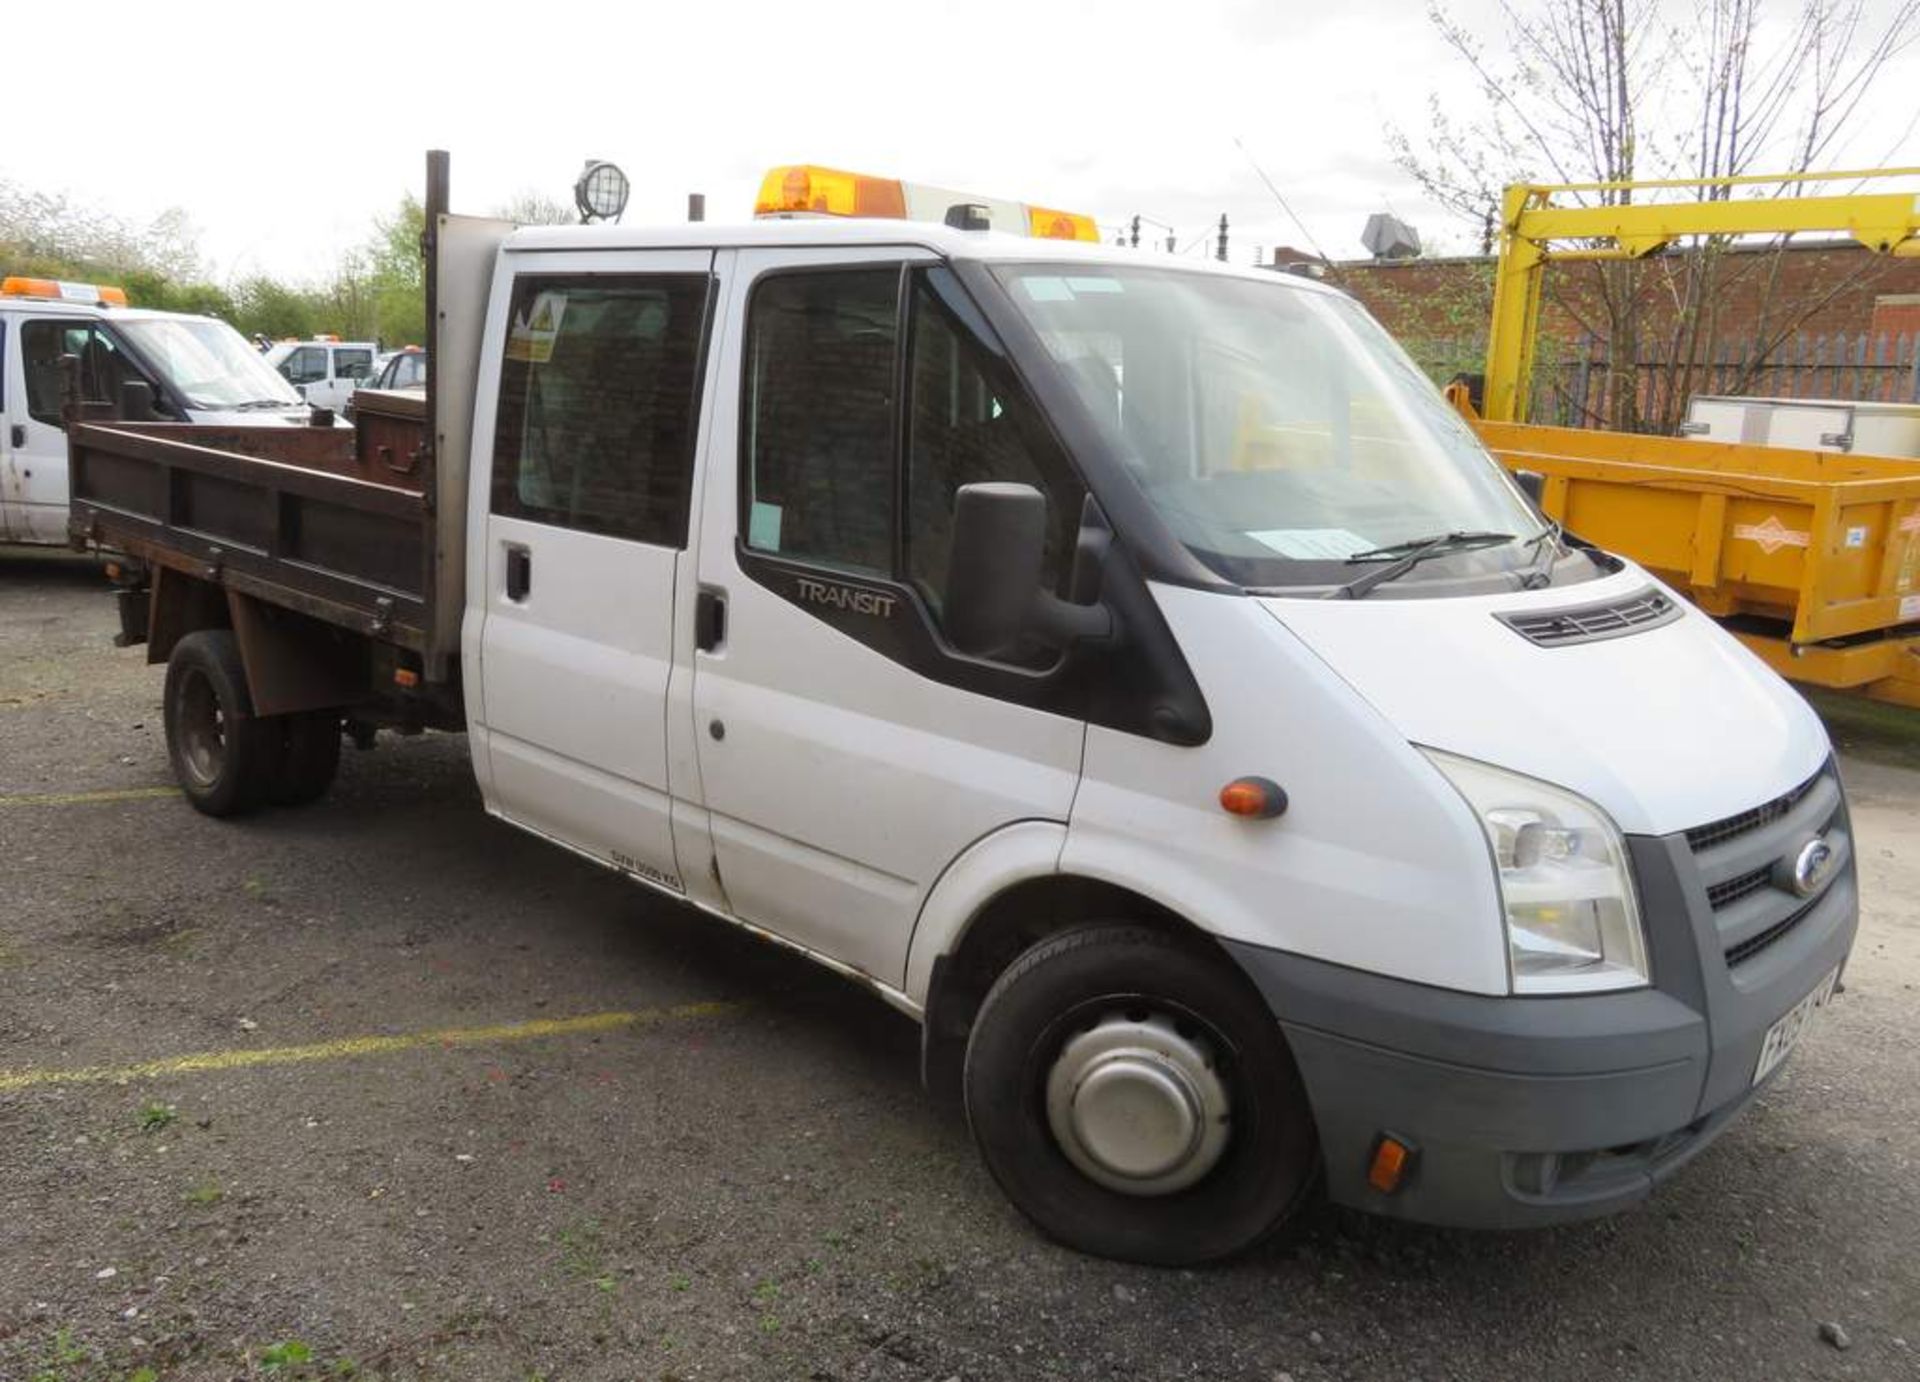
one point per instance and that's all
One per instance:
(326, 370)
(193, 369)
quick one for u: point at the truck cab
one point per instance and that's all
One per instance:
(325, 370)
(1130, 668)
(188, 368)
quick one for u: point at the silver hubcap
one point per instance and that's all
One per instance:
(1138, 1106)
(202, 729)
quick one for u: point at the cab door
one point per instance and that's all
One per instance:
(13, 432)
(847, 754)
(33, 482)
(306, 367)
(591, 422)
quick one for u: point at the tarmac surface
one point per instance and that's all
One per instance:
(383, 1088)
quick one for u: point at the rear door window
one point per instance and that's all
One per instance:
(599, 403)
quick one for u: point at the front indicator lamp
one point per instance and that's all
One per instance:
(1572, 921)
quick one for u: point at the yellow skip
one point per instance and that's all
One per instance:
(90, 798)
(366, 1046)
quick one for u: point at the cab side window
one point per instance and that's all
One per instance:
(307, 365)
(103, 367)
(599, 399)
(352, 364)
(968, 423)
(819, 417)
(825, 472)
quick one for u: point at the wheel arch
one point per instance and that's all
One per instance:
(971, 954)
(292, 661)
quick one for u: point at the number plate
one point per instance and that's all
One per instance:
(1782, 1035)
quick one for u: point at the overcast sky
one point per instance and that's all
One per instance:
(282, 130)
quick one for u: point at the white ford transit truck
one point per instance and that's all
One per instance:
(1127, 666)
(128, 361)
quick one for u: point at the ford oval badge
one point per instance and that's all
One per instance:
(1811, 867)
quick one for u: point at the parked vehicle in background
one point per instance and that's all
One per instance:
(1130, 668)
(181, 368)
(1796, 521)
(405, 368)
(326, 370)
(1858, 427)
(397, 371)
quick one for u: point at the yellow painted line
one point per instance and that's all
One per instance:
(348, 1047)
(89, 798)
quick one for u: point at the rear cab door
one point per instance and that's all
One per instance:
(847, 754)
(589, 409)
(351, 364)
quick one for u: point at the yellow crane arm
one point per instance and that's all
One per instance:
(1534, 231)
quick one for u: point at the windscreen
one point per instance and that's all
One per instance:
(209, 362)
(1278, 430)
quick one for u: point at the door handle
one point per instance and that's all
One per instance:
(19, 433)
(709, 620)
(519, 573)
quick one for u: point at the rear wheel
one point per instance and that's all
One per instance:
(1134, 1097)
(223, 755)
(309, 756)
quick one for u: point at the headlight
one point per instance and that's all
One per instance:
(1573, 925)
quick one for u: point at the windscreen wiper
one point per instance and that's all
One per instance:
(1545, 542)
(1402, 557)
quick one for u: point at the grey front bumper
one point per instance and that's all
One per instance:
(1528, 1111)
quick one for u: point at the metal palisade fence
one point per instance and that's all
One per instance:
(1572, 380)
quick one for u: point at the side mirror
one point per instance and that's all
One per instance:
(136, 401)
(994, 594)
(1533, 482)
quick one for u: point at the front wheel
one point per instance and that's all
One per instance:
(1133, 1096)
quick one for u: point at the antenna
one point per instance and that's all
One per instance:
(1261, 173)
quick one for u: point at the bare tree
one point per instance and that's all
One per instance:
(1608, 91)
(530, 208)
(42, 227)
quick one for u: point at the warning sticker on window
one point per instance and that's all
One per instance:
(532, 337)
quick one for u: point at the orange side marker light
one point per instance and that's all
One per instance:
(1392, 1159)
(1258, 798)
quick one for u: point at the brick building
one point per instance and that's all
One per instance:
(1817, 287)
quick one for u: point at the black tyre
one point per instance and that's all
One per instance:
(1134, 1097)
(309, 756)
(223, 755)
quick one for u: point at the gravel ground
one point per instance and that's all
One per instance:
(756, 1189)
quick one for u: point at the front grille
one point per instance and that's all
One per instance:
(1753, 945)
(1727, 893)
(1560, 628)
(1736, 859)
(1703, 837)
